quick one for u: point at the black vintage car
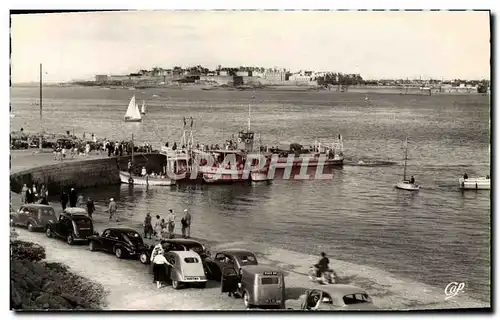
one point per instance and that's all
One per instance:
(177, 245)
(230, 258)
(73, 227)
(122, 242)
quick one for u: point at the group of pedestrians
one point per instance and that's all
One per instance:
(76, 201)
(31, 195)
(165, 228)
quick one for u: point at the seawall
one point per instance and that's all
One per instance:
(78, 173)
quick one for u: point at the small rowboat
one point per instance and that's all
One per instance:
(127, 178)
(482, 183)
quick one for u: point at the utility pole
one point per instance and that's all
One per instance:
(41, 125)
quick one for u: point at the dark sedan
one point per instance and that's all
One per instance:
(230, 258)
(122, 242)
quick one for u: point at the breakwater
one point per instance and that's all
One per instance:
(80, 173)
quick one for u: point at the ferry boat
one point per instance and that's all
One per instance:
(229, 165)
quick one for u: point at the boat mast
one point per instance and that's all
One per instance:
(406, 159)
(132, 160)
(41, 125)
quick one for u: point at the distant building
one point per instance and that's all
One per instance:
(101, 78)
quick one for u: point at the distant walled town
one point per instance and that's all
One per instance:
(259, 77)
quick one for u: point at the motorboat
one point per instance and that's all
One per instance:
(481, 183)
(147, 180)
(406, 184)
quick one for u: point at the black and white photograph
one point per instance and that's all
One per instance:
(250, 160)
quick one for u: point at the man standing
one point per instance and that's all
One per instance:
(64, 199)
(322, 265)
(112, 209)
(72, 198)
(129, 166)
(90, 207)
(186, 224)
(171, 223)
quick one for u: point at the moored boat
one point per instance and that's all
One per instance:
(407, 184)
(143, 108)
(481, 183)
(127, 178)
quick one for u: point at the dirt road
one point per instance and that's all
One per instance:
(127, 282)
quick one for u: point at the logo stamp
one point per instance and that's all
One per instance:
(453, 288)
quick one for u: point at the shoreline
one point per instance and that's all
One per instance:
(393, 90)
(389, 291)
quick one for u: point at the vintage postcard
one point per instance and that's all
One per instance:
(248, 160)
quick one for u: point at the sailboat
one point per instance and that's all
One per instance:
(143, 108)
(406, 184)
(133, 114)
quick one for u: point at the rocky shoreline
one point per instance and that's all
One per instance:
(41, 285)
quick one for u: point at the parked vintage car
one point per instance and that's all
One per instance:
(259, 286)
(73, 225)
(177, 245)
(187, 268)
(123, 242)
(333, 297)
(33, 216)
(230, 258)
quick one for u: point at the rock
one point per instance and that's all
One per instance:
(73, 300)
(43, 299)
(16, 298)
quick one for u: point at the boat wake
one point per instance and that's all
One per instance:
(370, 163)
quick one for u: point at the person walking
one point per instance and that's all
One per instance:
(148, 227)
(164, 229)
(90, 207)
(129, 166)
(186, 224)
(24, 189)
(72, 198)
(112, 209)
(80, 201)
(64, 199)
(171, 223)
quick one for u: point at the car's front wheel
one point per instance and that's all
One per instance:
(48, 232)
(30, 227)
(70, 240)
(92, 246)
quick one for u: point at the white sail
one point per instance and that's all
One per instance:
(132, 111)
(143, 108)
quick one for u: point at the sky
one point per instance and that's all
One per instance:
(438, 45)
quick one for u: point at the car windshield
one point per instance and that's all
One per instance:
(356, 298)
(83, 223)
(133, 237)
(248, 260)
(49, 212)
(191, 260)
